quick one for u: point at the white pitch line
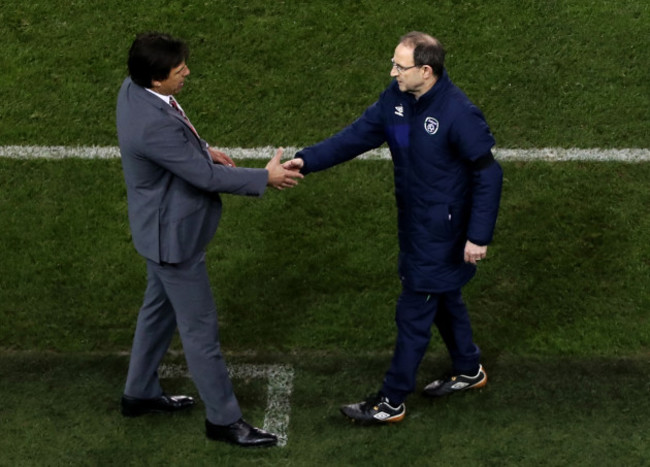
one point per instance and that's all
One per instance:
(266, 152)
(574, 154)
(280, 386)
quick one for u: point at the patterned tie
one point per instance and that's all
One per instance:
(174, 104)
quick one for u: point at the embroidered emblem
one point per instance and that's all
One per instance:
(431, 125)
(399, 110)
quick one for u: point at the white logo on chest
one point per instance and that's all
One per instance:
(399, 110)
(431, 125)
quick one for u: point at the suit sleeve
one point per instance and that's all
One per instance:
(366, 133)
(166, 144)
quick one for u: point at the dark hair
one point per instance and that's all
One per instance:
(427, 50)
(153, 55)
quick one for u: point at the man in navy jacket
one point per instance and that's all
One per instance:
(447, 188)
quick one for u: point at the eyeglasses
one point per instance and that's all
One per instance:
(400, 69)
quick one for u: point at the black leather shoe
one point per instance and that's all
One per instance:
(133, 407)
(241, 434)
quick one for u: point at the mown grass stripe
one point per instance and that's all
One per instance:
(266, 152)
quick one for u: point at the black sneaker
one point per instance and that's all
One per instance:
(456, 383)
(376, 409)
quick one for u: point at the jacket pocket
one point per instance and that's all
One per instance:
(439, 222)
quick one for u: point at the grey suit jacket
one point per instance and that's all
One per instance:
(172, 184)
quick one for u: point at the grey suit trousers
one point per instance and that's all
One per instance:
(179, 295)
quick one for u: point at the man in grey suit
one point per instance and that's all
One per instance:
(173, 180)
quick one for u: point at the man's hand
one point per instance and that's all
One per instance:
(474, 253)
(294, 164)
(222, 158)
(279, 176)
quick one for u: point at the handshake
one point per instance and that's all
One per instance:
(281, 176)
(285, 175)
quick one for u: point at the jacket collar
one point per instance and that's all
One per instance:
(157, 102)
(436, 90)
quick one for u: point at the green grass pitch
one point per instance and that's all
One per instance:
(306, 279)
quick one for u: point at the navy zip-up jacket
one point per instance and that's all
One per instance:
(447, 184)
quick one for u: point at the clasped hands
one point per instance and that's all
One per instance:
(281, 176)
(285, 175)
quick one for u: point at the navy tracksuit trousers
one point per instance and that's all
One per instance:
(415, 314)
